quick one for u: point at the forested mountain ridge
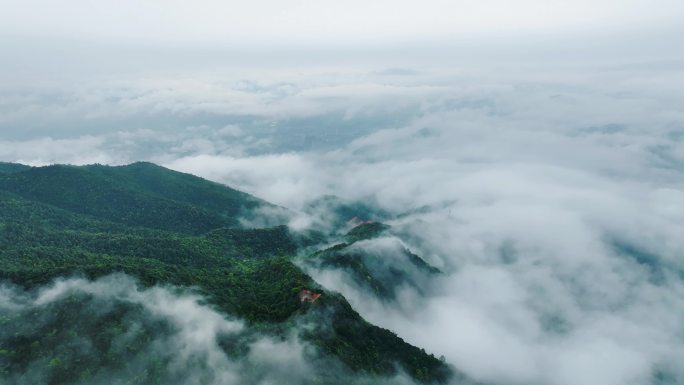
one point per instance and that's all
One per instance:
(140, 194)
(165, 227)
(383, 271)
(7, 168)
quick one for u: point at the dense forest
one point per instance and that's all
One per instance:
(168, 228)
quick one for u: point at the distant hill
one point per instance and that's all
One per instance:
(340, 211)
(8, 168)
(140, 194)
(166, 227)
(365, 231)
(381, 270)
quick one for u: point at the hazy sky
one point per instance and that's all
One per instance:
(70, 41)
(304, 21)
(47, 42)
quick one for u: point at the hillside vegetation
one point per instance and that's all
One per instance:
(165, 227)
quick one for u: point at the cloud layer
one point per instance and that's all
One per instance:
(112, 331)
(554, 208)
(551, 197)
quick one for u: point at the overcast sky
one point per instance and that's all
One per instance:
(304, 21)
(47, 42)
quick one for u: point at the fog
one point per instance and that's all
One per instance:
(551, 197)
(113, 331)
(533, 153)
(546, 193)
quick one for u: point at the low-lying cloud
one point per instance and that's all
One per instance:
(542, 202)
(552, 200)
(112, 331)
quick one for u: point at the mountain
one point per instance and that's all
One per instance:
(140, 195)
(8, 168)
(365, 231)
(382, 266)
(168, 228)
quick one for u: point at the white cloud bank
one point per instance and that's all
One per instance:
(559, 222)
(557, 209)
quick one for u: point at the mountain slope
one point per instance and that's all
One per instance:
(145, 221)
(8, 168)
(381, 265)
(142, 195)
(181, 187)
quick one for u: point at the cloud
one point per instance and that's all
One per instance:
(44, 151)
(551, 197)
(111, 329)
(534, 189)
(181, 333)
